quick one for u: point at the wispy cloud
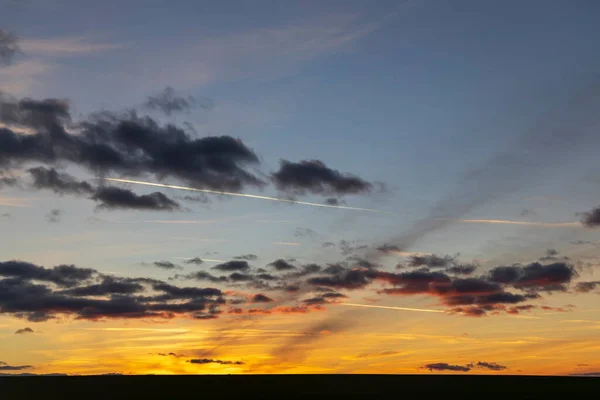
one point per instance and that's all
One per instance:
(65, 46)
(287, 243)
(21, 78)
(14, 202)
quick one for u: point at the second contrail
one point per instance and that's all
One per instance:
(251, 196)
(392, 308)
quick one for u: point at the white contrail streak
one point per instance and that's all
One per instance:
(251, 196)
(392, 308)
(509, 222)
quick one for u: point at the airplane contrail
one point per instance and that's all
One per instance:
(509, 222)
(251, 196)
(392, 308)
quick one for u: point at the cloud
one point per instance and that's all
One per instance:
(61, 275)
(61, 183)
(247, 257)
(166, 265)
(464, 368)
(64, 46)
(108, 286)
(5, 367)
(111, 198)
(261, 298)
(313, 176)
(446, 367)
(430, 261)
(584, 287)
(211, 361)
(591, 219)
(9, 47)
(23, 331)
(195, 261)
(54, 216)
(205, 276)
(234, 265)
(466, 269)
(281, 265)
(168, 102)
(346, 279)
(486, 365)
(535, 276)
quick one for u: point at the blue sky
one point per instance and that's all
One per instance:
(415, 94)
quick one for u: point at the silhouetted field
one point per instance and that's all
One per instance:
(286, 386)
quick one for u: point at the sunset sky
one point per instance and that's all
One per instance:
(199, 187)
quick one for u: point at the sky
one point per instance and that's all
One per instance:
(239, 187)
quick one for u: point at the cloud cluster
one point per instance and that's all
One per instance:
(442, 366)
(211, 361)
(129, 144)
(38, 294)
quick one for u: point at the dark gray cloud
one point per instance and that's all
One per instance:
(54, 216)
(446, 367)
(195, 261)
(332, 201)
(9, 47)
(461, 269)
(23, 331)
(345, 279)
(247, 257)
(111, 198)
(591, 219)
(211, 361)
(464, 368)
(535, 276)
(430, 261)
(61, 275)
(261, 298)
(166, 265)
(281, 265)
(108, 286)
(234, 265)
(204, 276)
(238, 277)
(487, 365)
(5, 367)
(168, 102)
(313, 176)
(49, 178)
